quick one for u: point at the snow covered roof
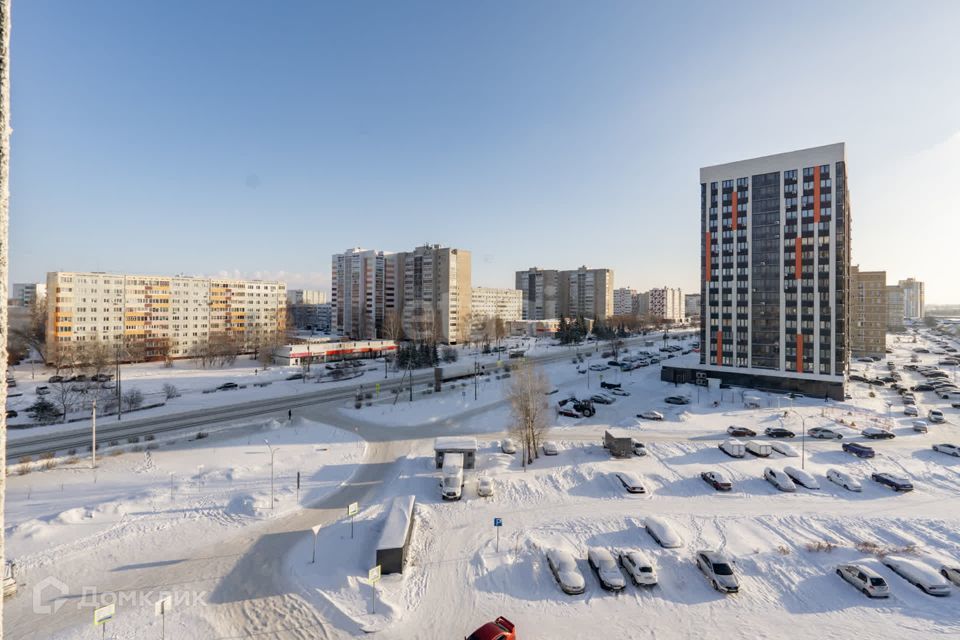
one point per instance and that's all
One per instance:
(455, 443)
(396, 523)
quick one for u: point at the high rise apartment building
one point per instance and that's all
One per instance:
(666, 304)
(914, 304)
(540, 293)
(691, 305)
(24, 294)
(868, 313)
(623, 301)
(775, 264)
(358, 292)
(154, 317)
(306, 296)
(895, 308)
(586, 293)
(490, 302)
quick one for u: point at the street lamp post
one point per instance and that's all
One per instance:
(272, 452)
(93, 435)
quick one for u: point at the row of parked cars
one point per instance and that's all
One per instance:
(918, 574)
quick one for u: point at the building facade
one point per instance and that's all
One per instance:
(154, 317)
(24, 294)
(306, 296)
(437, 292)
(313, 317)
(691, 305)
(358, 292)
(666, 304)
(623, 299)
(914, 304)
(868, 313)
(586, 293)
(490, 302)
(775, 265)
(895, 308)
(540, 293)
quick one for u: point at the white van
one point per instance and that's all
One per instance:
(451, 479)
(733, 448)
(759, 449)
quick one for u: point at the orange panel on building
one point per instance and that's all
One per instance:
(719, 348)
(800, 353)
(734, 211)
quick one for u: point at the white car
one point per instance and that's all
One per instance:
(565, 571)
(920, 426)
(951, 573)
(639, 449)
(631, 481)
(785, 449)
(779, 479)
(661, 530)
(911, 411)
(619, 392)
(935, 416)
(865, 579)
(650, 415)
(802, 478)
(550, 448)
(844, 479)
(949, 449)
(485, 486)
(639, 567)
(824, 433)
(601, 561)
(719, 570)
(919, 575)
(508, 446)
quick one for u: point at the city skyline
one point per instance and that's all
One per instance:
(460, 128)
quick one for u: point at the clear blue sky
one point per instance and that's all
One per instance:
(258, 138)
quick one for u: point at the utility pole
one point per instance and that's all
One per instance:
(119, 396)
(272, 452)
(93, 437)
(4, 244)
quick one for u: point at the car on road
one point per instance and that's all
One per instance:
(949, 449)
(911, 410)
(508, 446)
(639, 567)
(485, 486)
(779, 479)
(609, 385)
(740, 432)
(717, 480)
(227, 386)
(895, 482)
(719, 571)
(55, 379)
(632, 482)
(778, 432)
(650, 415)
(550, 448)
(619, 392)
(935, 416)
(824, 433)
(677, 400)
(844, 479)
(802, 478)
(663, 532)
(920, 426)
(865, 579)
(499, 629)
(603, 564)
(920, 575)
(598, 367)
(602, 398)
(565, 571)
(785, 449)
(876, 433)
(951, 572)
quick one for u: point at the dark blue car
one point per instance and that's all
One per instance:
(897, 483)
(859, 450)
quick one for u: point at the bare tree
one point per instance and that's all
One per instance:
(393, 325)
(94, 357)
(34, 334)
(464, 328)
(66, 395)
(499, 329)
(62, 357)
(529, 408)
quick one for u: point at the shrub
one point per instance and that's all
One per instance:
(149, 437)
(72, 460)
(170, 391)
(201, 435)
(71, 452)
(23, 469)
(132, 399)
(133, 440)
(114, 443)
(783, 550)
(821, 546)
(26, 459)
(49, 464)
(116, 452)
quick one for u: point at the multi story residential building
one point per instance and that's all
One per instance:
(358, 283)
(666, 304)
(775, 264)
(914, 304)
(437, 294)
(540, 291)
(868, 313)
(153, 317)
(306, 296)
(641, 304)
(24, 294)
(691, 305)
(586, 293)
(315, 317)
(489, 302)
(895, 308)
(623, 299)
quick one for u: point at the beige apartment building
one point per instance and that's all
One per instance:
(154, 317)
(869, 313)
(491, 302)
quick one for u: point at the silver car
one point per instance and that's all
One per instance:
(639, 567)
(601, 561)
(565, 571)
(865, 579)
(718, 570)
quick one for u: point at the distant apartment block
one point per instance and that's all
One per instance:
(586, 293)
(490, 302)
(666, 304)
(641, 304)
(623, 299)
(313, 317)
(540, 293)
(691, 305)
(895, 308)
(306, 296)
(914, 304)
(868, 313)
(23, 294)
(153, 317)
(358, 292)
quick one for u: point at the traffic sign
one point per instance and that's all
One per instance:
(104, 614)
(498, 522)
(374, 574)
(353, 509)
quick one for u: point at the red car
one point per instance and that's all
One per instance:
(499, 629)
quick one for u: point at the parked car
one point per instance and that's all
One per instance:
(920, 426)
(639, 449)
(650, 415)
(949, 449)
(865, 579)
(844, 479)
(717, 480)
(602, 398)
(951, 572)
(12, 413)
(824, 433)
(569, 413)
(227, 386)
(935, 416)
(55, 379)
(663, 532)
(565, 571)
(508, 446)
(911, 411)
(499, 629)
(620, 392)
(733, 448)
(42, 390)
(778, 432)
(779, 479)
(918, 574)
(609, 385)
(785, 449)
(677, 400)
(550, 448)
(639, 567)
(719, 571)
(485, 486)
(895, 482)
(630, 481)
(876, 433)
(740, 432)
(598, 367)
(603, 564)
(802, 478)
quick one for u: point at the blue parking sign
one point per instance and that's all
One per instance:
(498, 522)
